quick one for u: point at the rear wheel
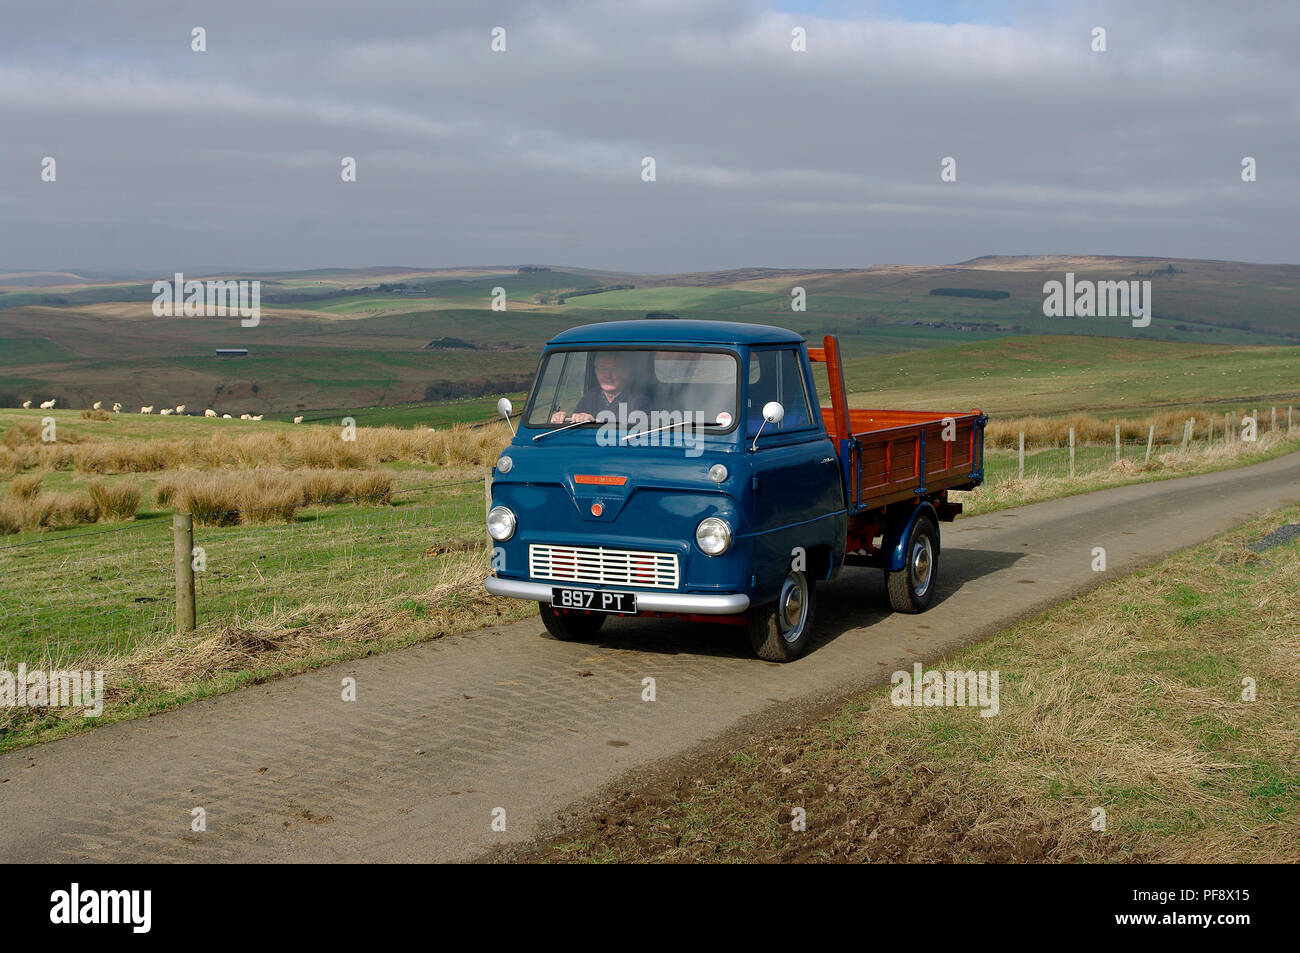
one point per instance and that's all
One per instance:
(570, 626)
(911, 589)
(781, 631)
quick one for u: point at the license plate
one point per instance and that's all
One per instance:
(623, 603)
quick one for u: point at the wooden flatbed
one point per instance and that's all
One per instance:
(888, 456)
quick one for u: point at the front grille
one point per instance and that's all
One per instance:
(598, 565)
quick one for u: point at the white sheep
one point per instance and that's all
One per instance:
(166, 412)
(209, 413)
(245, 416)
(258, 417)
(27, 405)
(96, 405)
(180, 408)
(147, 410)
(117, 408)
(225, 417)
(47, 404)
(297, 420)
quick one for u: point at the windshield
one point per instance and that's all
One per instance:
(635, 389)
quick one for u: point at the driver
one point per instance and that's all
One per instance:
(612, 375)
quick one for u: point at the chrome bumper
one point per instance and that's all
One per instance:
(723, 604)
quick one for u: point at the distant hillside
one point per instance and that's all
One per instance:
(331, 338)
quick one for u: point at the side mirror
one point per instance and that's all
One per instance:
(505, 409)
(773, 413)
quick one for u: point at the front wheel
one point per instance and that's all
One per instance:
(911, 589)
(570, 626)
(781, 631)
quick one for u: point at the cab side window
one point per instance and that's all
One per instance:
(777, 374)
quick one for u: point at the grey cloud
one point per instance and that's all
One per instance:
(171, 159)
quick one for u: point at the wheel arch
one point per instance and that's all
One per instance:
(898, 526)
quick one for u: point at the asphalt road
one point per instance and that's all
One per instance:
(444, 734)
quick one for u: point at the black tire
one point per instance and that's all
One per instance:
(568, 626)
(911, 589)
(772, 633)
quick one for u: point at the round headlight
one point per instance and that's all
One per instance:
(717, 473)
(501, 523)
(713, 536)
(505, 465)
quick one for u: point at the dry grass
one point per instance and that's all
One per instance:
(228, 498)
(1004, 432)
(114, 501)
(30, 509)
(302, 448)
(26, 487)
(1005, 493)
(1127, 699)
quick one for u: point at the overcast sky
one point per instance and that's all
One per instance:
(229, 159)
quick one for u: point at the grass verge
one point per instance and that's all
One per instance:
(1128, 699)
(168, 671)
(1002, 489)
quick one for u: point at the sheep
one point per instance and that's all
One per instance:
(225, 417)
(166, 411)
(96, 405)
(209, 413)
(117, 408)
(258, 417)
(245, 416)
(297, 420)
(180, 408)
(47, 404)
(147, 410)
(27, 405)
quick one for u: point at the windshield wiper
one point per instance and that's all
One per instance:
(558, 429)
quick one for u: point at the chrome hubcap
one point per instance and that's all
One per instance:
(793, 606)
(922, 565)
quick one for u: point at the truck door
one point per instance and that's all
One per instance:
(798, 495)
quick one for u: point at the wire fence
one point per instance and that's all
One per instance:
(104, 590)
(1065, 455)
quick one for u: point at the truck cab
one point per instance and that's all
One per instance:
(682, 469)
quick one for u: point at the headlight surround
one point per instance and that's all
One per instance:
(500, 523)
(713, 536)
(505, 464)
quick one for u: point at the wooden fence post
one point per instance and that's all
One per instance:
(1022, 455)
(1071, 451)
(1117, 443)
(1272, 424)
(183, 554)
(1151, 435)
(1209, 437)
(1186, 435)
(1288, 418)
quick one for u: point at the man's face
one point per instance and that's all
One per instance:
(610, 373)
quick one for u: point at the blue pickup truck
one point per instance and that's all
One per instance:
(686, 469)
